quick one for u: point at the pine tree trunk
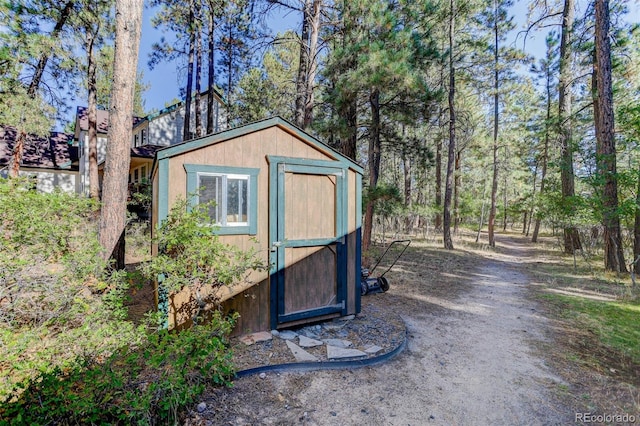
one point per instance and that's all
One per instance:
(198, 76)
(92, 116)
(571, 236)
(374, 164)
(42, 63)
(349, 107)
(303, 65)
(210, 74)
(313, 63)
(446, 223)
(116, 172)
(496, 120)
(636, 230)
(438, 202)
(545, 152)
(186, 130)
(16, 154)
(606, 150)
(457, 190)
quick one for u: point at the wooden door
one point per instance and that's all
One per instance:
(308, 239)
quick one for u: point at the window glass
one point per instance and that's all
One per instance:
(144, 136)
(237, 200)
(135, 176)
(143, 172)
(230, 194)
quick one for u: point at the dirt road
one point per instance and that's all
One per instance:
(473, 358)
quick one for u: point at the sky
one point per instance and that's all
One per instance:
(165, 82)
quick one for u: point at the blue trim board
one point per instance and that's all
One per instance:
(358, 256)
(163, 190)
(273, 236)
(192, 188)
(309, 313)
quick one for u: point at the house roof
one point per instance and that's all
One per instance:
(83, 119)
(48, 152)
(170, 151)
(146, 151)
(177, 105)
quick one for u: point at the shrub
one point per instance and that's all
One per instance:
(147, 385)
(191, 256)
(58, 303)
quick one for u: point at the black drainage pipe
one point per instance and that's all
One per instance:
(325, 365)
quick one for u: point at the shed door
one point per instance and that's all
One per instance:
(309, 246)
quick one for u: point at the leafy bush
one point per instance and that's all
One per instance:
(143, 386)
(58, 303)
(191, 256)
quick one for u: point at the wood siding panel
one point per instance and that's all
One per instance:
(310, 278)
(310, 205)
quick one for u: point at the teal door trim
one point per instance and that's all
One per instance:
(278, 167)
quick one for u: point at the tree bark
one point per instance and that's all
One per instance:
(198, 76)
(303, 65)
(348, 109)
(636, 231)
(186, 130)
(457, 190)
(545, 150)
(114, 189)
(313, 62)
(438, 202)
(92, 114)
(571, 236)
(496, 120)
(606, 144)
(446, 225)
(211, 72)
(374, 165)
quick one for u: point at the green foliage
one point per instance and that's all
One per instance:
(191, 255)
(386, 199)
(614, 323)
(145, 385)
(58, 302)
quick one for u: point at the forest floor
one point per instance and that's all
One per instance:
(484, 347)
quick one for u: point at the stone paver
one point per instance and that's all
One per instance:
(334, 352)
(338, 343)
(307, 342)
(300, 354)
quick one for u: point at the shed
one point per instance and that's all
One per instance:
(292, 197)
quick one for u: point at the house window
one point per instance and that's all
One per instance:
(136, 140)
(143, 173)
(233, 191)
(136, 175)
(143, 134)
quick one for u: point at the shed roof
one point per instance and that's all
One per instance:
(47, 152)
(225, 135)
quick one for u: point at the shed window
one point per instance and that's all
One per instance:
(229, 192)
(233, 191)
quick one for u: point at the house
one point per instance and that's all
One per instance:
(285, 193)
(52, 160)
(66, 165)
(150, 133)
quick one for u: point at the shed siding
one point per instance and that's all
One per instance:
(251, 150)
